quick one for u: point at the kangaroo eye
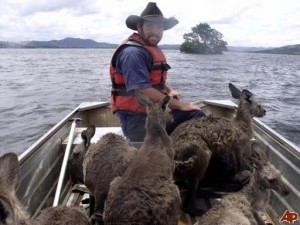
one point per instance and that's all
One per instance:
(272, 181)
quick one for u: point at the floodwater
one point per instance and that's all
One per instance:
(39, 87)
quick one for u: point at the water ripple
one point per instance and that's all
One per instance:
(41, 86)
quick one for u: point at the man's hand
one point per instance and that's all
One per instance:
(156, 96)
(186, 106)
(174, 94)
(171, 92)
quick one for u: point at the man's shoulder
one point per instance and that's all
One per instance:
(134, 52)
(134, 49)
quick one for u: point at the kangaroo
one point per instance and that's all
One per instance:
(198, 140)
(12, 211)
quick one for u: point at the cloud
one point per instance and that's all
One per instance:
(242, 22)
(30, 7)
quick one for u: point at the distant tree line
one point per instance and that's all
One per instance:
(203, 40)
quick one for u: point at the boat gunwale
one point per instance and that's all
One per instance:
(42, 140)
(288, 145)
(90, 105)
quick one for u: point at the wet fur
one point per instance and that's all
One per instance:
(146, 193)
(76, 158)
(243, 207)
(12, 211)
(197, 140)
(105, 160)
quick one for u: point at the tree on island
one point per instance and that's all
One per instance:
(203, 40)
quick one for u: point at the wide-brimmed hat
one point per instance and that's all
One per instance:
(151, 13)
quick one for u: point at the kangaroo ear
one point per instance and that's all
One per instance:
(88, 134)
(10, 170)
(247, 95)
(165, 102)
(235, 92)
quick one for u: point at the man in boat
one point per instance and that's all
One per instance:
(139, 65)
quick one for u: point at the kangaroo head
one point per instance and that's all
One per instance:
(269, 176)
(247, 101)
(11, 211)
(160, 110)
(87, 135)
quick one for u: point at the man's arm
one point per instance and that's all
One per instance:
(156, 96)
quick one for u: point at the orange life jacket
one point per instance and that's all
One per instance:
(120, 98)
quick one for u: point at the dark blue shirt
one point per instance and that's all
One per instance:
(135, 64)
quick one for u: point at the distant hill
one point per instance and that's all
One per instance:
(244, 49)
(6, 44)
(89, 43)
(289, 49)
(64, 43)
(229, 48)
(69, 43)
(170, 47)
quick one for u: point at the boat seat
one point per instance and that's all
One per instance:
(100, 131)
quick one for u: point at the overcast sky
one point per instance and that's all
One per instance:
(249, 23)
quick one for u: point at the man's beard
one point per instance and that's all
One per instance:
(148, 41)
